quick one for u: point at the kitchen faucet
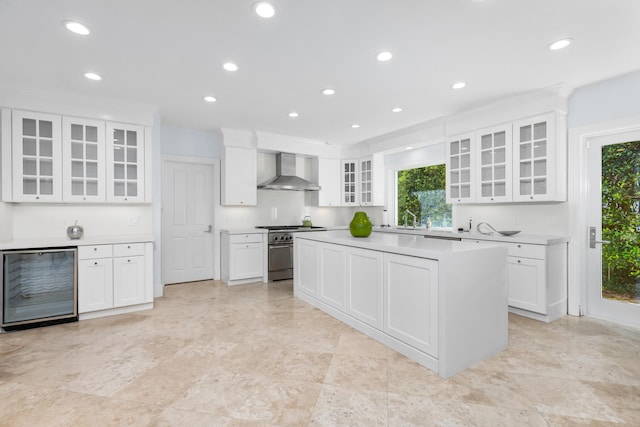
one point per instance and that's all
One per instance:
(405, 218)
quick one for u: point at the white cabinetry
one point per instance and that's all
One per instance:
(460, 161)
(52, 158)
(116, 276)
(306, 267)
(242, 257)
(494, 170)
(539, 159)
(364, 286)
(83, 154)
(411, 301)
(125, 163)
(128, 274)
(37, 157)
(349, 184)
(95, 278)
(332, 286)
(239, 176)
(363, 181)
(536, 279)
(326, 172)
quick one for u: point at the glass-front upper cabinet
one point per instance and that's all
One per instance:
(366, 182)
(534, 158)
(460, 156)
(494, 170)
(83, 151)
(125, 163)
(37, 157)
(349, 182)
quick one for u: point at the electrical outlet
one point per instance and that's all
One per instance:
(133, 220)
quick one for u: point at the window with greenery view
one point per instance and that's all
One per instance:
(621, 221)
(422, 192)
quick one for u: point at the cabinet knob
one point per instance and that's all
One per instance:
(519, 246)
(95, 263)
(37, 197)
(531, 197)
(130, 260)
(128, 247)
(95, 249)
(518, 261)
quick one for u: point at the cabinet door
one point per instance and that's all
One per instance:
(527, 284)
(305, 269)
(366, 182)
(128, 281)
(95, 284)
(411, 301)
(364, 286)
(460, 158)
(349, 183)
(246, 260)
(332, 281)
(37, 157)
(239, 176)
(83, 154)
(125, 163)
(494, 164)
(534, 158)
(329, 181)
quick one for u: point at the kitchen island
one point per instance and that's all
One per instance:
(441, 303)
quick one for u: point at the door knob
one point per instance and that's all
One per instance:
(209, 230)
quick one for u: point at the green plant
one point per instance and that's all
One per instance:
(422, 192)
(621, 220)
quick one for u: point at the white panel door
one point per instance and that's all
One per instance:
(95, 284)
(333, 281)
(128, 281)
(187, 218)
(364, 286)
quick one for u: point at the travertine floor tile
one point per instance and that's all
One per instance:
(252, 355)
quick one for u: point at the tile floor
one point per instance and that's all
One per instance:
(210, 355)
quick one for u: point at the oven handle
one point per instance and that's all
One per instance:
(279, 246)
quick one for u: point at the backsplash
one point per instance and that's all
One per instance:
(530, 218)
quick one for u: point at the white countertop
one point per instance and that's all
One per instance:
(247, 230)
(54, 242)
(404, 244)
(533, 239)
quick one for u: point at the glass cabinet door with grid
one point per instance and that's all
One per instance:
(83, 151)
(495, 160)
(125, 163)
(37, 157)
(460, 156)
(534, 157)
(349, 183)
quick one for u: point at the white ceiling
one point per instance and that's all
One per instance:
(168, 54)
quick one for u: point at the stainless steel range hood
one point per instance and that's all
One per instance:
(286, 178)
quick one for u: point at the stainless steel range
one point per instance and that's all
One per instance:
(280, 249)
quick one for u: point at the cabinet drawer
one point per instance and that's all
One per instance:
(97, 251)
(526, 250)
(128, 249)
(245, 238)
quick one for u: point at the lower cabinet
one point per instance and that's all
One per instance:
(112, 276)
(332, 283)
(536, 279)
(364, 286)
(411, 301)
(242, 258)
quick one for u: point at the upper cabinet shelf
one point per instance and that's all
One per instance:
(53, 158)
(522, 161)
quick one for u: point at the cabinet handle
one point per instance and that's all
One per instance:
(128, 247)
(518, 261)
(95, 263)
(95, 249)
(37, 197)
(531, 197)
(130, 260)
(519, 246)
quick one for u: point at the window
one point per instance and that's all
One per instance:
(422, 192)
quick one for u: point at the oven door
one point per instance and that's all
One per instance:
(280, 262)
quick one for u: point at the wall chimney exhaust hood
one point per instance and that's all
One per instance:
(286, 178)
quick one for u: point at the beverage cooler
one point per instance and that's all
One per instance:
(39, 287)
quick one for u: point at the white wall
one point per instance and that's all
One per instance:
(191, 143)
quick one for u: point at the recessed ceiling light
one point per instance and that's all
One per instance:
(328, 91)
(93, 76)
(408, 148)
(210, 98)
(293, 114)
(458, 85)
(560, 44)
(355, 126)
(230, 66)
(396, 110)
(264, 9)
(384, 56)
(76, 27)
